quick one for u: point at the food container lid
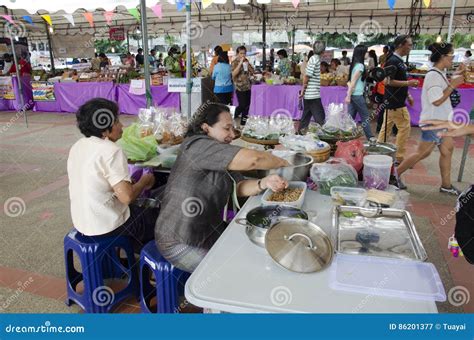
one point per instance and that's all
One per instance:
(374, 148)
(299, 245)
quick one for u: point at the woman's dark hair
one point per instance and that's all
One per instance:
(217, 50)
(102, 55)
(335, 60)
(325, 64)
(439, 50)
(207, 113)
(373, 55)
(223, 57)
(358, 57)
(282, 53)
(468, 53)
(241, 48)
(97, 116)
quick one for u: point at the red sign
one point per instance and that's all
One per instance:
(117, 33)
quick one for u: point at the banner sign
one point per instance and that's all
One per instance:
(179, 85)
(117, 33)
(6, 88)
(43, 91)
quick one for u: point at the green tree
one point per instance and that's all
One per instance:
(106, 45)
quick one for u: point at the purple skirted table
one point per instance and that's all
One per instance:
(15, 104)
(130, 103)
(268, 99)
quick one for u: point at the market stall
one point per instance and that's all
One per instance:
(10, 93)
(130, 103)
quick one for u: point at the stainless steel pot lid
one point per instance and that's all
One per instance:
(299, 245)
(374, 148)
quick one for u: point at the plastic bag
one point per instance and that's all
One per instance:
(137, 148)
(338, 121)
(352, 152)
(335, 172)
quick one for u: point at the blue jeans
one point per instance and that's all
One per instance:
(358, 105)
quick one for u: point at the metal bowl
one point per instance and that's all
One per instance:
(298, 171)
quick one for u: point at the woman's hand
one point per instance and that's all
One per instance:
(455, 82)
(348, 99)
(148, 181)
(274, 182)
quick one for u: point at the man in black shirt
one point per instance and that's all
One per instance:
(140, 58)
(396, 95)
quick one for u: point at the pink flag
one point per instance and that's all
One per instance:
(295, 3)
(108, 15)
(8, 18)
(157, 10)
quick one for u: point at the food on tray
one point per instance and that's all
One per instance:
(287, 195)
(380, 197)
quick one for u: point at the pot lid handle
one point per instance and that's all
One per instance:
(290, 238)
(372, 141)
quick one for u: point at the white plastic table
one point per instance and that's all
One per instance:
(239, 277)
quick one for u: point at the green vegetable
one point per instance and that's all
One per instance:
(348, 214)
(343, 180)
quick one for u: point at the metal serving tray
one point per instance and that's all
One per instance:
(377, 232)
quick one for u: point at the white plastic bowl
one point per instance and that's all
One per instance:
(292, 185)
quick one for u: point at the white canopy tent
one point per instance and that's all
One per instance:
(369, 16)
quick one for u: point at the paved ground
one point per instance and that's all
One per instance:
(33, 168)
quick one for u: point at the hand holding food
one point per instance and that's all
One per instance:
(456, 81)
(413, 83)
(275, 183)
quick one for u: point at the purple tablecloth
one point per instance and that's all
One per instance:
(130, 103)
(267, 99)
(15, 104)
(70, 96)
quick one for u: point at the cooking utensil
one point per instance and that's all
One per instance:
(298, 245)
(377, 232)
(373, 148)
(259, 219)
(298, 171)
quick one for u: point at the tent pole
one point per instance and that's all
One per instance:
(189, 81)
(17, 68)
(451, 18)
(50, 47)
(264, 38)
(146, 63)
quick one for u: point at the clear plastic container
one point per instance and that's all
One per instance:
(405, 279)
(377, 169)
(350, 196)
(292, 185)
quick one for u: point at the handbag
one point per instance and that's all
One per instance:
(455, 97)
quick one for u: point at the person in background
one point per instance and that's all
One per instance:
(272, 59)
(215, 58)
(383, 57)
(172, 63)
(335, 63)
(373, 63)
(436, 104)
(467, 57)
(95, 62)
(83, 61)
(304, 64)
(205, 174)
(311, 89)
(284, 65)
(7, 63)
(101, 191)
(129, 60)
(222, 76)
(355, 91)
(396, 95)
(140, 58)
(241, 72)
(159, 61)
(104, 61)
(464, 229)
(152, 59)
(345, 60)
(25, 66)
(324, 67)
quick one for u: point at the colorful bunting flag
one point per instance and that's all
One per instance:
(108, 15)
(427, 3)
(28, 19)
(134, 12)
(206, 3)
(295, 3)
(90, 18)
(180, 5)
(47, 18)
(157, 10)
(391, 4)
(69, 18)
(8, 18)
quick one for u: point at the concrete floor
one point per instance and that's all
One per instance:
(33, 168)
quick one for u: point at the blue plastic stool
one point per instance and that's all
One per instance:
(99, 258)
(169, 282)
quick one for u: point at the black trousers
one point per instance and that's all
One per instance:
(312, 108)
(244, 105)
(224, 98)
(464, 231)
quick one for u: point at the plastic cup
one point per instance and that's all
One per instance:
(377, 169)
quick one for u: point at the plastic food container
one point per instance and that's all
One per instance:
(376, 172)
(351, 196)
(292, 185)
